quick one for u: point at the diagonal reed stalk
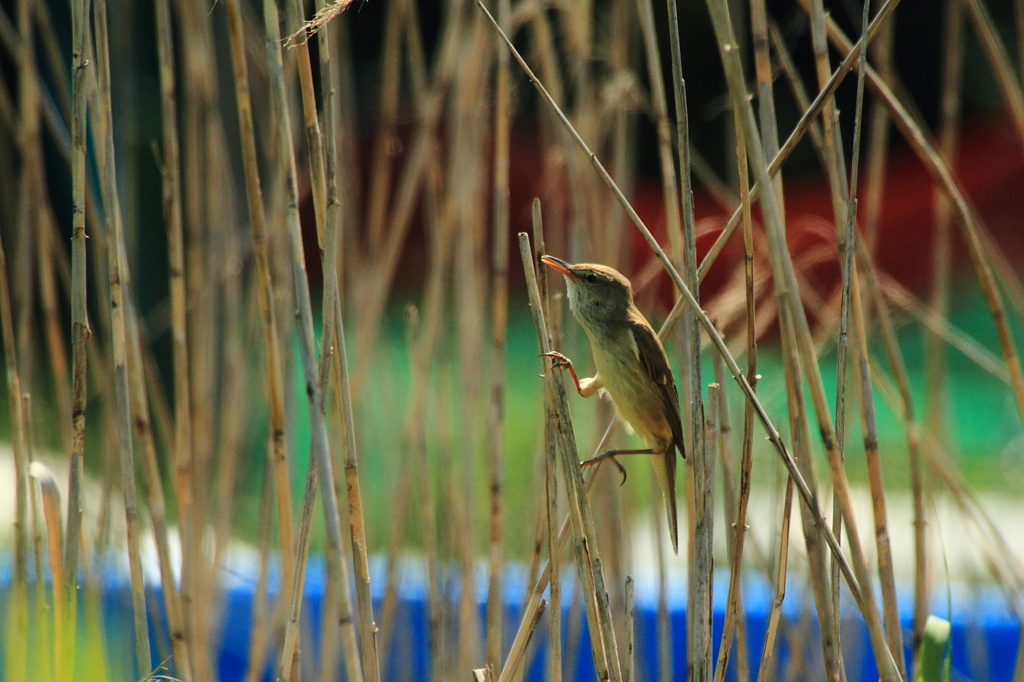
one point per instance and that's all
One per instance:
(804, 125)
(979, 243)
(588, 563)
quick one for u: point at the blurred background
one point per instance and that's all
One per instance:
(401, 148)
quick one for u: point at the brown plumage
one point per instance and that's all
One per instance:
(631, 366)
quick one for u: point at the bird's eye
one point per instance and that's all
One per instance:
(592, 279)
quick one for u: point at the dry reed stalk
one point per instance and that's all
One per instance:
(735, 518)
(522, 641)
(663, 620)
(766, 671)
(765, 96)
(629, 670)
(796, 334)
(700, 661)
(738, 516)
(208, 201)
(844, 198)
(179, 333)
(31, 188)
(277, 450)
(948, 142)
(53, 319)
(807, 120)
(659, 104)
(771, 143)
(333, 229)
(886, 576)
(154, 496)
(617, 117)
(603, 644)
(499, 331)
(878, 138)
(871, 451)
(262, 626)
(554, 673)
(80, 331)
(235, 415)
(999, 60)
(357, 529)
(832, 145)
(379, 189)
(16, 622)
(788, 314)
(549, 62)
(980, 246)
(466, 185)
(555, 618)
(936, 392)
(311, 124)
(773, 434)
(319, 446)
(119, 304)
(892, 350)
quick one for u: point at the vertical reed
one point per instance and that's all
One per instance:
(119, 303)
(277, 449)
(16, 620)
(499, 330)
(179, 330)
(80, 331)
(588, 565)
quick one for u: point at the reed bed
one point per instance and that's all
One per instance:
(199, 295)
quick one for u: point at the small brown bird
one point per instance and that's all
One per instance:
(631, 366)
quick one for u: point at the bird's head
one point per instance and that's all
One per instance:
(598, 294)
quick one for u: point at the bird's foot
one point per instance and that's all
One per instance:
(610, 455)
(561, 361)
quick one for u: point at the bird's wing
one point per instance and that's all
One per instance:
(655, 363)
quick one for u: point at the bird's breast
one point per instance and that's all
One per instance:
(637, 398)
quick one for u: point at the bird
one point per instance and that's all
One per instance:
(632, 368)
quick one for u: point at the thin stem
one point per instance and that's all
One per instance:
(588, 563)
(119, 277)
(179, 334)
(80, 331)
(499, 328)
(277, 450)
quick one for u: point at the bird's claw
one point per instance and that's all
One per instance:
(600, 458)
(559, 359)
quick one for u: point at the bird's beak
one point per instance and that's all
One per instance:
(559, 265)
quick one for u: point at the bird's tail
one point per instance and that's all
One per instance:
(665, 471)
